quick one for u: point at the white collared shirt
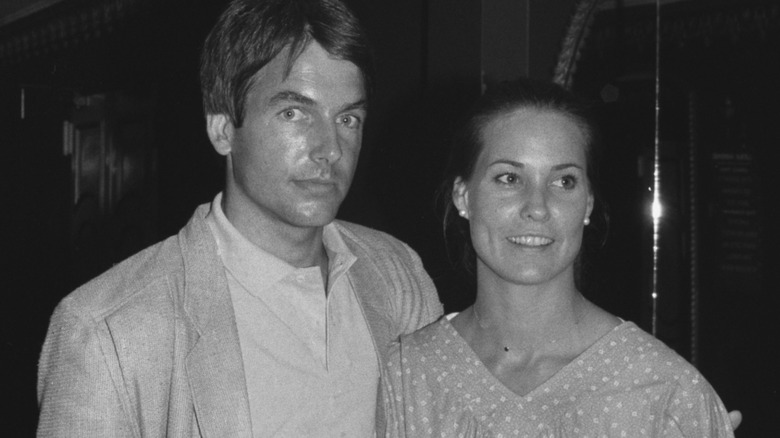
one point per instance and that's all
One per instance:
(309, 360)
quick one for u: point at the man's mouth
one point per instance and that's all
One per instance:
(318, 185)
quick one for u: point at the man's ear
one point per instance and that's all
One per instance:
(460, 197)
(220, 130)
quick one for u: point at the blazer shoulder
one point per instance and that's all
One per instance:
(371, 239)
(144, 271)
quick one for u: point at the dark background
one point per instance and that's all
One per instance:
(124, 73)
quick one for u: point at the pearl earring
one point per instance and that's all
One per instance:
(462, 213)
(586, 221)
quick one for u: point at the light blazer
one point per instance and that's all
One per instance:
(150, 348)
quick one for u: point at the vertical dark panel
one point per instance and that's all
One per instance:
(35, 191)
(719, 64)
(548, 22)
(506, 39)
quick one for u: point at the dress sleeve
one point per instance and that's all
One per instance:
(695, 410)
(76, 394)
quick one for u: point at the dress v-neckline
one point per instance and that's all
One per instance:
(484, 372)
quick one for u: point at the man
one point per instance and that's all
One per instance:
(264, 315)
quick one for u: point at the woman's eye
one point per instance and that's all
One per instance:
(508, 178)
(567, 182)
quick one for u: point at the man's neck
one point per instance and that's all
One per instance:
(301, 247)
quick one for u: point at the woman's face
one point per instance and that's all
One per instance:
(528, 197)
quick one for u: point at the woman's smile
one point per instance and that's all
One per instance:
(531, 240)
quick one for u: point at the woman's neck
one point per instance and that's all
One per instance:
(531, 319)
(524, 334)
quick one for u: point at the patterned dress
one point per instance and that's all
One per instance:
(627, 384)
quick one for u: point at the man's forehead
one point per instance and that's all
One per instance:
(299, 60)
(314, 69)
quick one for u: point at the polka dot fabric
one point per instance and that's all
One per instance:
(628, 384)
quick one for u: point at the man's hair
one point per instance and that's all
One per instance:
(251, 33)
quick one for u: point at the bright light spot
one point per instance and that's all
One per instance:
(657, 209)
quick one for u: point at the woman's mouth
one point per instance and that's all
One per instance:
(530, 240)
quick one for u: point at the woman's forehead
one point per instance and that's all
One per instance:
(533, 131)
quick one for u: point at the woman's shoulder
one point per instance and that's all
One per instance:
(434, 342)
(421, 346)
(641, 346)
(433, 333)
(649, 358)
(692, 402)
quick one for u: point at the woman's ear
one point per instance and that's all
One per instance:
(220, 130)
(589, 209)
(460, 197)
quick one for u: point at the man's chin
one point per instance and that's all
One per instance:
(317, 215)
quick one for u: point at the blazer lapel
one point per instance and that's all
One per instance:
(214, 366)
(373, 291)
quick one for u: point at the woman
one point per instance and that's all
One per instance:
(533, 357)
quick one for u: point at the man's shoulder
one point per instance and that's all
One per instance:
(151, 270)
(370, 238)
(154, 270)
(392, 275)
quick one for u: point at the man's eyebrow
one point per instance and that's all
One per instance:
(361, 104)
(291, 96)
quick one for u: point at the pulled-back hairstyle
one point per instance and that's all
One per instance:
(468, 142)
(251, 33)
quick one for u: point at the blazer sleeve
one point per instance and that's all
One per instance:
(392, 395)
(423, 307)
(77, 396)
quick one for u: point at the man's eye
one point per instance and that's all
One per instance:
(350, 121)
(292, 114)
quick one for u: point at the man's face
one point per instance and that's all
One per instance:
(291, 163)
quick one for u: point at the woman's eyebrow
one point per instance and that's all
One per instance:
(566, 166)
(522, 165)
(509, 162)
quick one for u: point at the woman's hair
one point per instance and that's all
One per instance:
(251, 33)
(468, 142)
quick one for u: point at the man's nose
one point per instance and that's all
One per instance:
(327, 143)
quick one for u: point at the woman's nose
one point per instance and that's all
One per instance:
(535, 207)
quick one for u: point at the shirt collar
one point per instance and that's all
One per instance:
(340, 258)
(248, 261)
